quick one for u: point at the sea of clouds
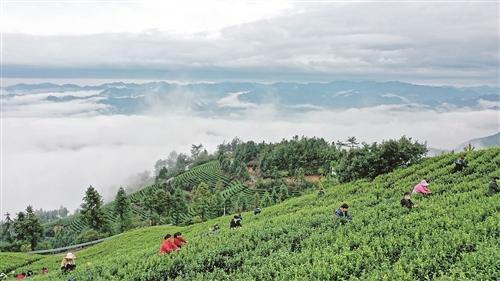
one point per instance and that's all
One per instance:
(51, 152)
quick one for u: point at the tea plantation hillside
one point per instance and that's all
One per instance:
(11, 261)
(453, 235)
(209, 173)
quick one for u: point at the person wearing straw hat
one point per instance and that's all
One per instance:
(68, 263)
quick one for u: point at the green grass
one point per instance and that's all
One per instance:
(11, 261)
(454, 235)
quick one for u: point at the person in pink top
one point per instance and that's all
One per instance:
(422, 188)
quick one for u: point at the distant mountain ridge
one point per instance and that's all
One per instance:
(477, 143)
(484, 142)
(133, 98)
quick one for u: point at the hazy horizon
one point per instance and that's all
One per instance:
(12, 81)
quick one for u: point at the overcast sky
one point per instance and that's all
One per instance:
(441, 43)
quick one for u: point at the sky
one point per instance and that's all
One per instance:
(52, 152)
(448, 42)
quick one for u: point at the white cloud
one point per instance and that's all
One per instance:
(181, 18)
(488, 104)
(232, 100)
(36, 105)
(50, 161)
(40, 97)
(306, 107)
(389, 95)
(345, 93)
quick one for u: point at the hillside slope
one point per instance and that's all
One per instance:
(484, 142)
(454, 235)
(209, 173)
(11, 261)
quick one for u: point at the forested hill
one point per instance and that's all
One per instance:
(452, 235)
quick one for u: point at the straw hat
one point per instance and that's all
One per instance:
(424, 183)
(70, 256)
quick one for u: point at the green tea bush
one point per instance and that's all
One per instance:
(12, 261)
(453, 235)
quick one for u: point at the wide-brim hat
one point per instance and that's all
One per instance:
(70, 256)
(424, 183)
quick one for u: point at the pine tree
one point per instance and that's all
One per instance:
(275, 196)
(158, 202)
(33, 229)
(19, 222)
(201, 200)
(163, 174)
(28, 227)
(148, 201)
(195, 151)
(218, 202)
(228, 203)
(267, 200)
(241, 171)
(469, 148)
(236, 205)
(8, 229)
(179, 205)
(256, 200)
(62, 212)
(352, 142)
(91, 209)
(162, 202)
(283, 192)
(123, 209)
(244, 203)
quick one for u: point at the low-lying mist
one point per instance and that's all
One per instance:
(49, 161)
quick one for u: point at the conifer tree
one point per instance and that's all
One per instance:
(8, 229)
(283, 192)
(267, 200)
(179, 205)
(256, 200)
(201, 200)
(19, 226)
(33, 228)
(275, 196)
(123, 209)
(92, 210)
(28, 227)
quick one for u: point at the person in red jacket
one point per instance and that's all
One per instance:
(179, 240)
(168, 245)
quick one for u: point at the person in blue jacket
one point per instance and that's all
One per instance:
(342, 213)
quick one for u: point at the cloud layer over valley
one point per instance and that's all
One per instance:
(54, 150)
